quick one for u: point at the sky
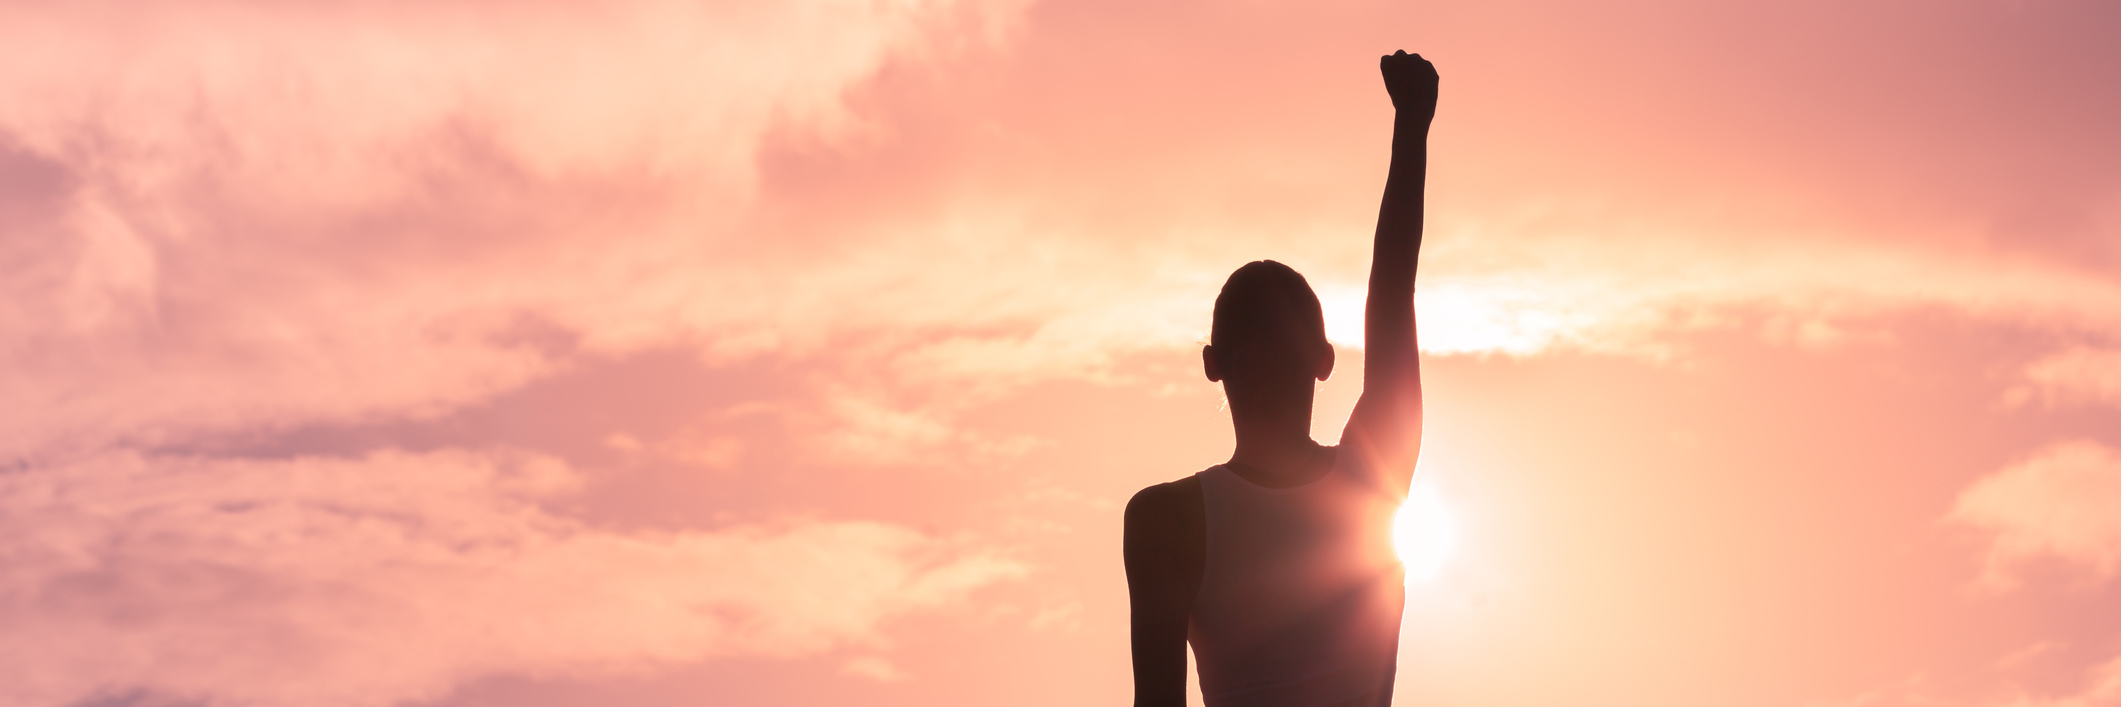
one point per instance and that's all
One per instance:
(544, 354)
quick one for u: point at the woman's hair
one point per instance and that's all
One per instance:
(1265, 301)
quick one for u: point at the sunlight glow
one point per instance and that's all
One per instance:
(1469, 317)
(1424, 534)
(1341, 305)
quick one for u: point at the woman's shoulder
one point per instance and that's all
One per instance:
(1166, 498)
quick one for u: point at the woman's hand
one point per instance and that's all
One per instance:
(1412, 82)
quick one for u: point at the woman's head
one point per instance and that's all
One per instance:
(1267, 324)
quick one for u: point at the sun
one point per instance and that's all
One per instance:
(1424, 534)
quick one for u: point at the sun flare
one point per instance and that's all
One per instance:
(1424, 534)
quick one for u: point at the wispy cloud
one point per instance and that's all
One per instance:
(2077, 376)
(247, 214)
(397, 576)
(243, 216)
(2063, 502)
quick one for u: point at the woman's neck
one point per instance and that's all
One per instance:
(1281, 460)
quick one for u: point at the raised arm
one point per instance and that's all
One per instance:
(1386, 425)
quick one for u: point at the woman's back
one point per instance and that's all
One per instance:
(1300, 594)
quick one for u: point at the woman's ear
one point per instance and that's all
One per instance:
(1325, 362)
(1207, 364)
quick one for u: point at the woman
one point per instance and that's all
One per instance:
(1277, 565)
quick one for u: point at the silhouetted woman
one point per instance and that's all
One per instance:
(1277, 565)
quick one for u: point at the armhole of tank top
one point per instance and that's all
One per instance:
(1342, 463)
(1349, 468)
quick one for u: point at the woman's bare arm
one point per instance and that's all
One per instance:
(1386, 425)
(1162, 524)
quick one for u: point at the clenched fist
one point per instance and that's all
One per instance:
(1412, 82)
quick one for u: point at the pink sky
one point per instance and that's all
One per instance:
(748, 353)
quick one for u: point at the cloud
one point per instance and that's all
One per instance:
(1624, 286)
(2103, 689)
(238, 215)
(2063, 502)
(2077, 376)
(245, 216)
(396, 576)
(874, 668)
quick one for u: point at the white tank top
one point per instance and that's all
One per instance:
(1301, 595)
